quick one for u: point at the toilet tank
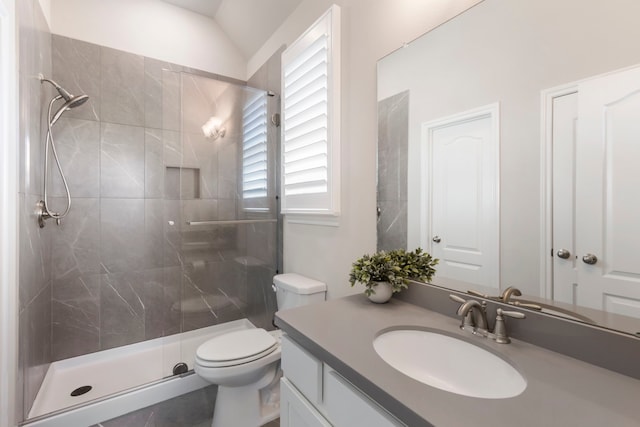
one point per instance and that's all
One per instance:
(294, 290)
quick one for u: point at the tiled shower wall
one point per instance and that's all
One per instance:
(34, 50)
(393, 140)
(125, 266)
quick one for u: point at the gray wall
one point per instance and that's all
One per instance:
(34, 274)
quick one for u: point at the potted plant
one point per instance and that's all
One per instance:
(384, 273)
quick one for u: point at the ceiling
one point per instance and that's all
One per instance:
(248, 23)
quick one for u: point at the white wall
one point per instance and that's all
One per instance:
(371, 29)
(151, 28)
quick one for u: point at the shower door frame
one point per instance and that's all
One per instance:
(8, 212)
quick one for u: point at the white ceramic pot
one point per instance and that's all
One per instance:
(383, 292)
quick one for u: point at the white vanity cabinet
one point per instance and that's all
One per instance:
(314, 395)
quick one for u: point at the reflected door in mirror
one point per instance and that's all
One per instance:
(608, 186)
(462, 201)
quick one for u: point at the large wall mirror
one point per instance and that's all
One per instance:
(509, 147)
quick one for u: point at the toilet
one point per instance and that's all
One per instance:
(245, 364)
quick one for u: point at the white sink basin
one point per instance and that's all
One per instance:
(449, 364)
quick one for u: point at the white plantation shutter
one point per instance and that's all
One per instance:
(254, 147)
(310, 152)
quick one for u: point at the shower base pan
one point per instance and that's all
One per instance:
(122, 379)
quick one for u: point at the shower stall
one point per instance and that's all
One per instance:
(172, 235)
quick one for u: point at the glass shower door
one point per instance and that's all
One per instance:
(221, 210)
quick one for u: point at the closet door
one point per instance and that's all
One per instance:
(608, 193)
(564, 134)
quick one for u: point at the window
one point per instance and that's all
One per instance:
(311, 120)
(254, 147)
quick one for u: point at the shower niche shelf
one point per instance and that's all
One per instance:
(181, 183)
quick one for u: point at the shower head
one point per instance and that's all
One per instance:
(72, 102)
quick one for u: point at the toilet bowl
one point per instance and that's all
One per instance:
(245, 364)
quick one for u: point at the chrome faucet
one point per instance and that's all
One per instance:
(474, 314)
(474, 319)
(478, 312)
(507, 293)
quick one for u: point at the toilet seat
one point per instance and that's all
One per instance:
(235, 348)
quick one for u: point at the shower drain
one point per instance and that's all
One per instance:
(81, 390)
(180, 368)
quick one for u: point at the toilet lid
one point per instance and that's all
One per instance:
(236, 346)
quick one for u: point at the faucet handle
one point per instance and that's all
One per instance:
(456, 298)
(526, 305)
(500, 330)
(514, 314)
(477, 294)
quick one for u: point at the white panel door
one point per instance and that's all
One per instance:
(464, 211)
(607, 193)
(564, 137)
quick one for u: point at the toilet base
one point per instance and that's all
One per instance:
(251, 405)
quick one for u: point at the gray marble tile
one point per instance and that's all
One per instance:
(392, 225)
(123, 80)
(200, 210)
(35, 251)
(153, 164)
(34, 346)
(76, 316)
(174, 223)
(227, 209)
(172, 315)
(21, 406)
(261, 303)
(172, 145)
(202, 153)
(228, 169)
(155, 303)
(76, 67)
(122, 161)
(153, 233)
(393, 139)
(122, 310)
(200, 102)
(38, 344)
(171, 100)
(78, 145)
(153, 87)
(122, 245)
(76, 242)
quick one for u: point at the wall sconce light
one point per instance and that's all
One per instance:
(213, 128)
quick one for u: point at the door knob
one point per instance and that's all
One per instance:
(564, 254)
(590, 259)
(436, 239)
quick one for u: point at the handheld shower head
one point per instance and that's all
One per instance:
(72, 102)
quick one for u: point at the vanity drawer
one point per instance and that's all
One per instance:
(347, 406)
(302, 369)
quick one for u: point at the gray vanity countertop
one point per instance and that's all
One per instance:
(561, 391)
